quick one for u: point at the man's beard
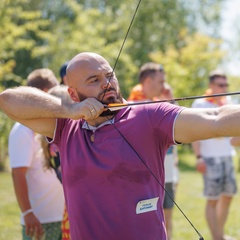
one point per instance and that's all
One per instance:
(117, 99)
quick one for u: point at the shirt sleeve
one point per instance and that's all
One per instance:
(20, 147)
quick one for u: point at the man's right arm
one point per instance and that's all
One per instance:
(31, 107)
(39, 110)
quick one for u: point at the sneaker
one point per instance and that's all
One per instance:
(226, 237)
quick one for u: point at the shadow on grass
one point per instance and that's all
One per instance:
(185, 166)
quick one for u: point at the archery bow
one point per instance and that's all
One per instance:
(114, 107)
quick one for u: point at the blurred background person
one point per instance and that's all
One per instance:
(152, 86)
(62, 73)
(52, 158)
(151, 83)
(38, 191)
(215, 163)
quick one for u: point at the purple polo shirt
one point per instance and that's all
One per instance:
(110, 193)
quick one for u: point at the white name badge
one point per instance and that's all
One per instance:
(147, 205)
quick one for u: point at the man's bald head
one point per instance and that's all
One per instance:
(81, 64)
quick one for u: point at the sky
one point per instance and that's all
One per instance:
(230, 14)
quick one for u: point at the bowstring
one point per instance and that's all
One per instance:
(112, 123)
(121, 48)
(154, 176)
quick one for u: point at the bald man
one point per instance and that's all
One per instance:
(110, 193)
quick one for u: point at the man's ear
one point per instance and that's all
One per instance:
(73, 94)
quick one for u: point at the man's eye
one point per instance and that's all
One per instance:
(94, 80)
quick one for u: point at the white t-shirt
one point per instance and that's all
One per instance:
(214, 147)
(44, 189)
(171, 171)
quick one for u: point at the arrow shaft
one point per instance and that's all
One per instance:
(114, 107)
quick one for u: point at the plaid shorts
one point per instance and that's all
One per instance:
(52, 231)
(219, 178)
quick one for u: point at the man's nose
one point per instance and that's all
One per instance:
(106, 82)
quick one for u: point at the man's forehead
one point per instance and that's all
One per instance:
(220, 78)
(90, 63)
(85, 66)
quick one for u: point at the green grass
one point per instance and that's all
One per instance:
(10, 228)
(188, 197)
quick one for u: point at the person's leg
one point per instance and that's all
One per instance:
(212, 191)
(229, 188)
(167, 208)
(211, 217)
(222, 212)
(168, 220)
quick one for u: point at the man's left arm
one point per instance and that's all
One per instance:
(198, 124)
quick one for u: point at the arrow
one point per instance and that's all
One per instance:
(117, 106)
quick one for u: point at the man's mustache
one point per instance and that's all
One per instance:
(105, 91)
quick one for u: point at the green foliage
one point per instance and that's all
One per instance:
(44, 33)
(20, 32)
(5, 127)
(84, 32)
(10, 213)
(47, 33)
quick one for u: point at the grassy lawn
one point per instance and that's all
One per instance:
(188, 197)
(9, 212)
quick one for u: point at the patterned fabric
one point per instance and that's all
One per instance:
(65, 226)
(52, 231)
(220, 177)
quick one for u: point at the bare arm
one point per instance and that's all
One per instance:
(39, 110)
(198, 124)
(200, 164)
(235, 141)
(20, 187)
(196, 148)
(21, 192)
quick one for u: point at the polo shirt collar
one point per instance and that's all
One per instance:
(117, 117)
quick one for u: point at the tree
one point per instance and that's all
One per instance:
(159, 23)
(46, 33)
(74, 32)
(21, 31)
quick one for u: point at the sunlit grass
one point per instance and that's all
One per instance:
(188, 197)
(9, 212)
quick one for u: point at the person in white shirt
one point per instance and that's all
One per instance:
(153, 86)
(38, 191)
(214, 161)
